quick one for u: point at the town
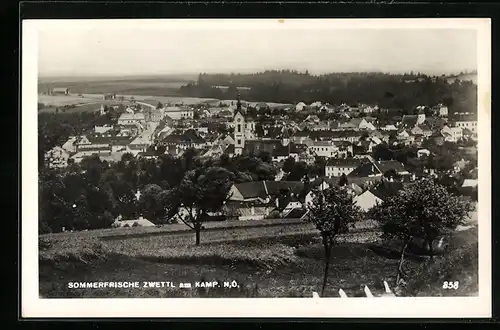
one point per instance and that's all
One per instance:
(370, 150)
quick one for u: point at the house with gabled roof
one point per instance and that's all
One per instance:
(347, 125)
(337, 167)
(287, 203)
(370, 167)
(300, 106)
(70, 144)
(256, 199)
(298, 134)
(437, 137)
(282, 152)
(366, 200)
(363, 123)
(311, 119)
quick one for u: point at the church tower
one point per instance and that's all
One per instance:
(239, 128)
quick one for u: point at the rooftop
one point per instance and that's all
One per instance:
(345, 162)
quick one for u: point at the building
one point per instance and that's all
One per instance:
(337, 167)
(239, 128)
(409, 121)
(139, 144)
(421, 130)
(109, 96)
(153, 115)
(90, 151)
(141, 222)
(178, 113)
(370, 168)
(452, 134)
(300, 106)
(345, 148)
(423, 152)
(131, 118)
(468, 122)
(254, 200)
(287, 203)
(249, 129)
(366, 200)
(287, 150)
(102, 129)
(345, 135)
(323, 149)
(184, 140)
(57, 157)
(363, 123)
(443, 111)
(60, 91)
(70, 145)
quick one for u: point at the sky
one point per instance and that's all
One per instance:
(135, 48)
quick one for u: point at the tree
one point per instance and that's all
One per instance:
(343, 180)
(288, 165)
(202, 190)
(392, 174)
(382, 152)
(299, 170)
(265, 156)
(126, 157)
(423, 210)
(259, 130)
(159, 105)
(160, 150)
(151, 203)
(331, 211)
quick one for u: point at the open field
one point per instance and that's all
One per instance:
(141, 85)
(178, 227)
(112, 233)
(84, 103)
(266, 261)
(60, 100)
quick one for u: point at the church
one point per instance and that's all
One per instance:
(245, 141)
(244, 128)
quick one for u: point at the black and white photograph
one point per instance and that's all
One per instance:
(315, 161)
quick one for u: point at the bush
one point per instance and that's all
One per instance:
(136, 224)
(126, 226)
(43, 228)
(71, 249)
(273, 215)
(461, 264)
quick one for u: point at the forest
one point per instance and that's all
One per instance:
(389, 91)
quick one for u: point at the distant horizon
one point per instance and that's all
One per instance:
(156, 74)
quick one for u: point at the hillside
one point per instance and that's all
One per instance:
(166, 85)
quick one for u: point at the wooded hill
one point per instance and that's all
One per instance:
(402, 91)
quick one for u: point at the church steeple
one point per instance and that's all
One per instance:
(238, 104)
(239, 128)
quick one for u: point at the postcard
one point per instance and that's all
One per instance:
(256, 168)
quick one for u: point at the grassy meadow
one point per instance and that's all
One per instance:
(265, 261)
(139, 85)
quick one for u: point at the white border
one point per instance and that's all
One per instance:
(33, 306)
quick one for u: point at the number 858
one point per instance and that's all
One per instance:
(450, 285)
